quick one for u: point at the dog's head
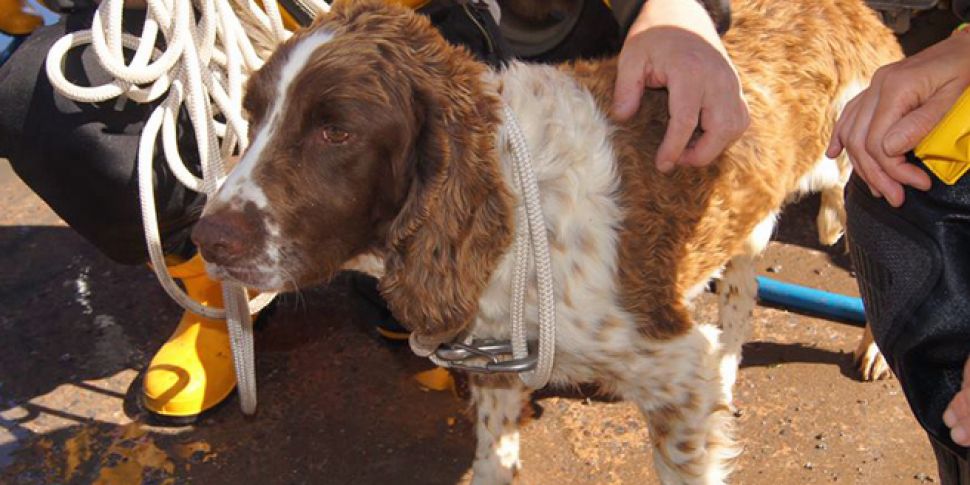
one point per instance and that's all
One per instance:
(370, 134)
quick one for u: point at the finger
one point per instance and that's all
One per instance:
(885, 185)
(722, 126)
(909, 130)
(879, 181)
(906, 173)
(842, 126)
(835, 144)
(891, 104)
(881, 184)
(706, 149)
(867, 169)
(630, 80)
(862, 124)
(958, 409)
(685, 106)
(957, 417)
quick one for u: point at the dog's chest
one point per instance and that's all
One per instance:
(569, 139)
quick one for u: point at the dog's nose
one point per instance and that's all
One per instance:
(222, 237)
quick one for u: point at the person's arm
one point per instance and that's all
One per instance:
(904, 101)
(674, 44)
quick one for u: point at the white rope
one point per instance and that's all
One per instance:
(206, 58)
(530, 241)
(530, 233)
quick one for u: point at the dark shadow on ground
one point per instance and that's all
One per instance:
(769, 354)
(70, 314)
(331, 398)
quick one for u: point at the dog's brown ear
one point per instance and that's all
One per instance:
(456, 221)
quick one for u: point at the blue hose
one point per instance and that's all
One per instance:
(8, 44)
(823, 303)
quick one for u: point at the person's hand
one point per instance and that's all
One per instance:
(673, 44)
(903, 103)
(957, 414)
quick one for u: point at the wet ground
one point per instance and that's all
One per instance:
(339, 405)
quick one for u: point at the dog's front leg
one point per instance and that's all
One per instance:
(737, 293)
(498, 405)
(676, 384)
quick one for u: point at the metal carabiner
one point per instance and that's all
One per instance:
(489, 349)
(455, 355)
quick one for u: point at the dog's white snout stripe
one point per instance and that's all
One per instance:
(241, 188)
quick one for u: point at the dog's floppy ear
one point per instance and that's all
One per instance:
(456, 221)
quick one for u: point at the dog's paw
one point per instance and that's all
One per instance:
(828, 236)
(870, 362)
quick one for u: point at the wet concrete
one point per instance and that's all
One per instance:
(339, 405)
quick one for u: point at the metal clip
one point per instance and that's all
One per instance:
(455, 355)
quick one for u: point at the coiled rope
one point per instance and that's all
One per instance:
(208, 53)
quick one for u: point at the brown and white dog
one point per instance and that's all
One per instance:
(373, 136)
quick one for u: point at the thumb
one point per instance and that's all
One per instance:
(906, 133)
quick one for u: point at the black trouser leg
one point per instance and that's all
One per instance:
(954, 470)
(81, 157)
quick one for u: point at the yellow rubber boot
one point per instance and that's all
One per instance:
(193, 370)
(14, 20)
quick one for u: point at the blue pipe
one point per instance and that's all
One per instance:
(797, 297)
(8, 44)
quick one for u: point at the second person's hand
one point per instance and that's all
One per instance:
(903, 103)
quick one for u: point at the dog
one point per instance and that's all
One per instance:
(374, 138)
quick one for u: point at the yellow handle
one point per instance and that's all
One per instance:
(946, 150)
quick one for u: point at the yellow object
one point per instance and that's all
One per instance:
(14, 20)
(946, 150)
(193, 370)
(393, 335)
(437, 379)
(289, 23)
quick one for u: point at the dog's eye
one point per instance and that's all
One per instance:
(334, 135)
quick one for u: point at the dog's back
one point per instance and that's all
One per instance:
(631, 245)
(799, 63)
